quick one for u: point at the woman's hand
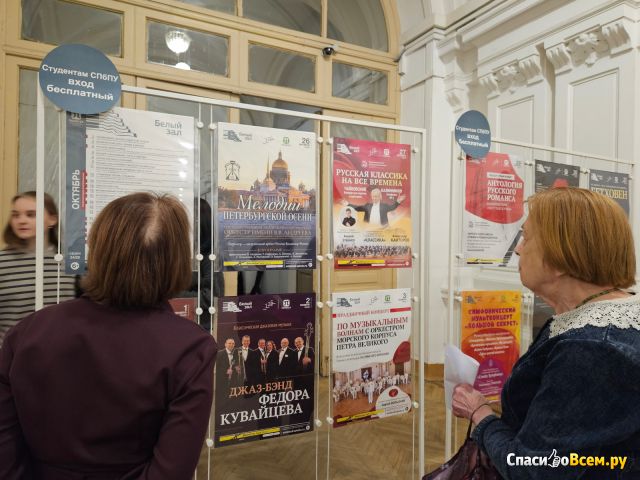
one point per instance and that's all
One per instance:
(470, 403)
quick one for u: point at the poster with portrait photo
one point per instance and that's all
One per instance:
(371, 204)
(611, 184)
(494, 209)
(551, 174)
(266, 213)
(371, 359)
(264, 374)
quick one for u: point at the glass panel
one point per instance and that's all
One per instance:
(57, 22)
(281, 68)
(347, 130)
(300, 15)
(357, 83)
(27, 137)
(187, 49)
(57, 286)
(264, 119)
(267, 458)
(286, 280)
(369, 31)
(226, 6)
(208, 115)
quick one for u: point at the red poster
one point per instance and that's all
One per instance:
(371, 204)
(494, 209)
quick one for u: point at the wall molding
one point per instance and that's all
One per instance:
(512, 76)
(587, 47)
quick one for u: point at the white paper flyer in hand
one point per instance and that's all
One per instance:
(458, 368)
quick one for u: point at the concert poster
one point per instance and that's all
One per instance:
(551, 174)
(494, 209)
(371, 356)
(491, 322)
(266, 212)
(264, 374)
(116, 153)
(371, 204)
(611, 184)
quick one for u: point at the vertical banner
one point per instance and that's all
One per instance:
(550, 175)
(75, 234)
(494, 209)
(491, 334)
(266, 216)
(611, 184)
(123, 151)
(371, 204)
(371, 357)
(264, 375)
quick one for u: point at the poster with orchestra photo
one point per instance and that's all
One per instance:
(371, 204)
(371, 357)
(264, 375)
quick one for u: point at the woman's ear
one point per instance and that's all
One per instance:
(53, 221)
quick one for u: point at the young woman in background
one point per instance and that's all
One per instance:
(18, 262)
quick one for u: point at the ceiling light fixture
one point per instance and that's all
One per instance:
(177, 41)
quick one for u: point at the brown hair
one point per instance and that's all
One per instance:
(11, 239)
(585, 235)
(139, 252)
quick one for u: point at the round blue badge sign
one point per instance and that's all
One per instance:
(473, 134)
(80, 79)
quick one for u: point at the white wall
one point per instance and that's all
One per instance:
(551, 72)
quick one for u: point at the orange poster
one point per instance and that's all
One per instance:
(490, 333)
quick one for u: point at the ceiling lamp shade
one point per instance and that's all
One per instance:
(177, 41)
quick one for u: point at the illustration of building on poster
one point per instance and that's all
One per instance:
(120, 152)
(371, 204)
(264, 375)
(551, 174)
(371, 355)
(611, 184)
(266, 217)
(494, 209)
(491, 334)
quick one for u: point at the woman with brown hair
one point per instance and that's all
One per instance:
(575, 392)
(18, 262)
(112, 385)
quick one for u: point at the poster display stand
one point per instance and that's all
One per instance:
(472, 282)
(290, 313)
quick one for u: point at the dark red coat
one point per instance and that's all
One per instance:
(91, 392)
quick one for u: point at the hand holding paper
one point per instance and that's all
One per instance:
(458, 368)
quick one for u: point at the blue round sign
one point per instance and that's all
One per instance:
(80, 79)
(473, 134)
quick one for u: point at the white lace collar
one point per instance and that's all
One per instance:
(620, 312)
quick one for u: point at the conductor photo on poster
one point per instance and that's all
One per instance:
(371, 204)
